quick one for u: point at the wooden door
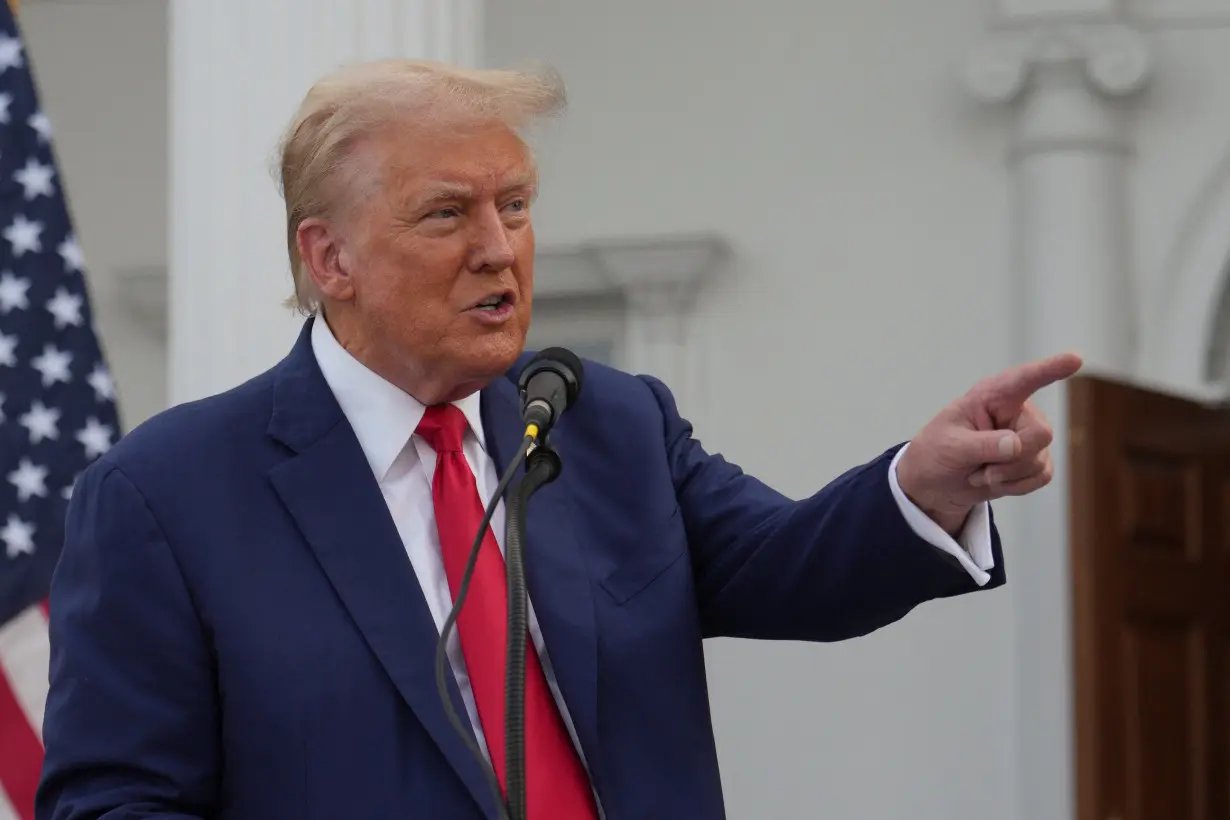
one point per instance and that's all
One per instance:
(1150, 492)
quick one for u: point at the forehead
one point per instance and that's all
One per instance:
(419, 161)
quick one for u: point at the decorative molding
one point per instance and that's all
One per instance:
(657, 274)
(661, 276)
(1114, 57)
(1024, 9)
(570, 271)
(1179, 14)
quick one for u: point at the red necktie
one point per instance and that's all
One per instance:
(556, 786)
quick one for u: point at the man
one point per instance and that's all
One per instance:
(245, 616)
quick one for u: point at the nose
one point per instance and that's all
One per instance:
(490, 248)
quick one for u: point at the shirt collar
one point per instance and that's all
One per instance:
(382, 415)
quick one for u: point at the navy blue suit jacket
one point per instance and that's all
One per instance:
(237, 632)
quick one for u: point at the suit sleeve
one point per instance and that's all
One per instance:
(131, 725)
(972, 547)
(837, 565)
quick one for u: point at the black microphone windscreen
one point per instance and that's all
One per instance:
(564, 356)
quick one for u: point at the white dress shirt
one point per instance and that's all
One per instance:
(384, 419)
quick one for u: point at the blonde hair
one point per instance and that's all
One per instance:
(317, 151)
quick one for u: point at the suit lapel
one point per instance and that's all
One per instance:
(329, 489)
(557, 577)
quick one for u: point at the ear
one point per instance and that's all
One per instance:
(320, 248)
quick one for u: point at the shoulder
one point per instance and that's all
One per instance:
(170, 444)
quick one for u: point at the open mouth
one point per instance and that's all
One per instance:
(495, 302)
(495, 309)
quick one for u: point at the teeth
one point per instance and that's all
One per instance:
(493, 301)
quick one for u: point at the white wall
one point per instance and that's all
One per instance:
(102, 76)
(865, 199)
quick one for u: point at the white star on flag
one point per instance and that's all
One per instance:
(18, 537)
(35, 178)
(66, 307)
(53, 364)
(13, 292)
(103, 384)
(95, 437)
(8, 350)
(10, 53)
(29, 480)
(23, 235)
(70, 252)
(41, 421)
(42, 126)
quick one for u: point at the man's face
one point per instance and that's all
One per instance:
(441, 257)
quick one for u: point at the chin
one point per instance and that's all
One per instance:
(495, 355)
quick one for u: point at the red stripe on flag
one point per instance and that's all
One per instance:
(21, 753)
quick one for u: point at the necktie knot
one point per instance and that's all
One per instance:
(443, 427)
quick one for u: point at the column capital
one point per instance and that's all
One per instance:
(1111, 55)
(660, 275)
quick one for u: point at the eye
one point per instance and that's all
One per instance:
(444, 213)
(518, 205)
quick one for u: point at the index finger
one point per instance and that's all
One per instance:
(1015, 385)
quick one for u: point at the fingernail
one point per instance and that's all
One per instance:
(1007, 445)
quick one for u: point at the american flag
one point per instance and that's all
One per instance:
(57, 408)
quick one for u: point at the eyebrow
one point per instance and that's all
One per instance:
(446, 191)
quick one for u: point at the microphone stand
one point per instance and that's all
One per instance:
(548, 384)
(441, 662)
(543, 466)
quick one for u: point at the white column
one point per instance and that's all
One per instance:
(1074, 289)
(238, 70)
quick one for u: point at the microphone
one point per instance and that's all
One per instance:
(548, 385)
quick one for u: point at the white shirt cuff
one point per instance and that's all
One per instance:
(972, 547)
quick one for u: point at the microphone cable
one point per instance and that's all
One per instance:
(531, 436)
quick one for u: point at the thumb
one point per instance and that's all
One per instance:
(990, 446)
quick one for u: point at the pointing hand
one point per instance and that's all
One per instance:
(990, 443)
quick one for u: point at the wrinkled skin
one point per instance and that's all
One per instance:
(443, 223)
